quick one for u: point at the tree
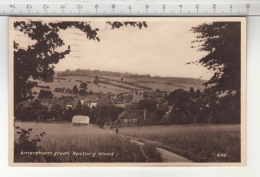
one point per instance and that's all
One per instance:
(82, 92)
(96, 80)
(222, 42)
(192, 92)
(181, 112)
(31, 111)
(38, 59)
(104, 112)
(78, 108)
(75, 90)
(45, 94)
(83, 85)
(198, 93)
(149, 104)
(68, 114)
(56, 111)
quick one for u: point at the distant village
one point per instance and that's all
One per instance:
(133, 105)
(115, 100)
(130, 114)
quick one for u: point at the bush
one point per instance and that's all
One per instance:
(25, 143)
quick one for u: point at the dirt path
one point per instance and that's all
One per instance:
(166, 156)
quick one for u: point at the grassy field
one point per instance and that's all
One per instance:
(161, 83)
(99, 144)
(165, 84)
(200, 143)
(70, 81)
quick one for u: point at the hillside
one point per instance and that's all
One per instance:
(114, 85)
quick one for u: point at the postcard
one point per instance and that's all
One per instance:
(127, 91)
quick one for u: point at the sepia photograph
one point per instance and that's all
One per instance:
(127, 91)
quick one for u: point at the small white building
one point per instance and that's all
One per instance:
(79, 120)
(91, 105)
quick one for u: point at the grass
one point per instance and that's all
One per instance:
(100, 145)
(70, 81)
(155, 83)
(200, 143)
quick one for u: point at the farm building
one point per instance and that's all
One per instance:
(79, 120)
(134, 118)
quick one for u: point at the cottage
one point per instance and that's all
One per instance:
(134, 118)
(79, 120)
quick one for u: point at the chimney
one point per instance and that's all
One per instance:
(144, 113)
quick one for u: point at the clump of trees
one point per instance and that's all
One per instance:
(35, 111)
(45, 94)
(153, 107)
(201, 107)
(105, 113)
(222, 42)
(31, 111)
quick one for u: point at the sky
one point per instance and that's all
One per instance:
(163, 48)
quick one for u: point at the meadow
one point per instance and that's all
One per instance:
(164, 84)
(200, 143)
(70, 81)
(67, 143)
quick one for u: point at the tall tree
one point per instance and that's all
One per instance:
(222, 42)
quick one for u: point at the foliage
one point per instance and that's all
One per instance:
(75, 90)
(181, 113)
(149, 104)
(25, 143)
(96, 80)
(56, 111)
(83, 85)
(222, 42)
(68, 114)
(104, 112)
(81, 109)
(45, 94)
(82, 92)
(31, 111)
(37, 60)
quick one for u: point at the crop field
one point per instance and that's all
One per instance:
(200, 143)
(66, 143)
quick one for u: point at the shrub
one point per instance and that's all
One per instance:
(25, 143)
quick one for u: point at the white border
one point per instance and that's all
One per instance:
(253, 130)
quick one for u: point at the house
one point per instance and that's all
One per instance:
(91, 105)
(137, 95)
(134, 118)
(79, 120)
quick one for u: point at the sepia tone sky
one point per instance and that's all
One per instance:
(163, 48)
